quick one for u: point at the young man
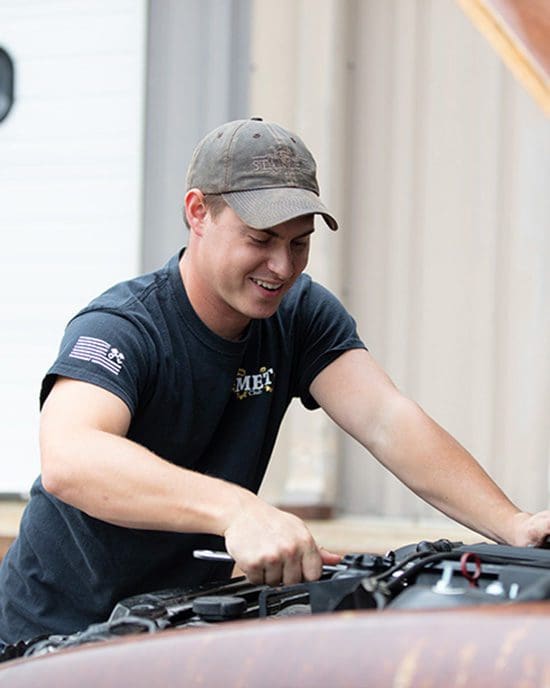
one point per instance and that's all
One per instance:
(160, 414)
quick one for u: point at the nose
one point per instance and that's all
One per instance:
(281, 262)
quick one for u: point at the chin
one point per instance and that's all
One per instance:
(261, 313)
(257, 309)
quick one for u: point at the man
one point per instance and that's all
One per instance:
(161, 411)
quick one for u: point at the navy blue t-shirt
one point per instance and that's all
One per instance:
(197, 400)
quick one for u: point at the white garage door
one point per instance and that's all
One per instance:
(70, 189)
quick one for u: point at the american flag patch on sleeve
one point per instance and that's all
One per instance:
(99, 352)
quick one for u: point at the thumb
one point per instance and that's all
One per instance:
(329, 557)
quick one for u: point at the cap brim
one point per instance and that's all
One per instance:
(265, 208)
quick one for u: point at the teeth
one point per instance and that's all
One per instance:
(266, 285)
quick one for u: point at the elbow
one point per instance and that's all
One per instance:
(57, 451)
(55, 474)
(53, 478)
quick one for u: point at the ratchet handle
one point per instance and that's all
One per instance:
(213, 555)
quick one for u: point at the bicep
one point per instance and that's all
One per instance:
(357, 394)
(73, 405)
(73, 417)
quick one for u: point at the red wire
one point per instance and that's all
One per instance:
(472, 577)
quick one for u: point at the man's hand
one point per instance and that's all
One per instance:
(530, 529)
(272, 546)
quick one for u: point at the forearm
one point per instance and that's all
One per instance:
(419, 452)
(437, 468)
(87, 461)
(116, 480)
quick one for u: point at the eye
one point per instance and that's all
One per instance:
(260, 240)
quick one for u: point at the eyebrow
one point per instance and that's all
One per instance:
(271, 232)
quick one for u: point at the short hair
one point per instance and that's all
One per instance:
(215, 205)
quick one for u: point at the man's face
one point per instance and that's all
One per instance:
(246, 272)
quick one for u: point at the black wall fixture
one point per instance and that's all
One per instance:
(6, 84)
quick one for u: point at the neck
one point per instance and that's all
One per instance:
(217, 316)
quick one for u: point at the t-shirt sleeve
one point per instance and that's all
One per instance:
(104, 349)
(327, 331)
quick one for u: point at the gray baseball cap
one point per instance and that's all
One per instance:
(263, 171)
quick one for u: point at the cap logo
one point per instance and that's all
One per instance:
(281, 159)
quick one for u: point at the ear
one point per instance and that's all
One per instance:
(195, 210)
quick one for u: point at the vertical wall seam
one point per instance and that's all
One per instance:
(421, 59)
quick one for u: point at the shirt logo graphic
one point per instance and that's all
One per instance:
(100, 352)
(255, 384)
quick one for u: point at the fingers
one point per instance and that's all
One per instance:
(292, 571)
(329, 558)
(285, 568)
(273, 547)
(269, 574)
(312, 564)
(532, 529)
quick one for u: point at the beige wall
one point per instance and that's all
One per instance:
(300, 78)
(437, 163)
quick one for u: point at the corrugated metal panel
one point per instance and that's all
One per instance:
(449, 237)
(441, 178)
(198, 72)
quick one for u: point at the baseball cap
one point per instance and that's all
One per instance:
(261, 170)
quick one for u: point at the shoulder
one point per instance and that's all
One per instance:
(114, 342)
(138, 307)
(130, 294)
(311, 306)
(309, 297)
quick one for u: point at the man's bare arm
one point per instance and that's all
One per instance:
(88, 462)
(419, 452)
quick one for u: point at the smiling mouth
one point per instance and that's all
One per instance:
(267, 285)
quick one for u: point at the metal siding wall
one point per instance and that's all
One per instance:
(448, 239)
(198, 73)
(439, 164)
(300, 78)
